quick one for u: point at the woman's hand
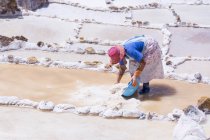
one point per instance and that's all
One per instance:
(134, 83)
(107, 66)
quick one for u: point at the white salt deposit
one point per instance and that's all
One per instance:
(64, 108)
(190, 130)
(65, 12)
(38, 29)
(46, 105)
(193, 13)
(153, 16)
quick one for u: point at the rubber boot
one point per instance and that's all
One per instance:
(145, 89)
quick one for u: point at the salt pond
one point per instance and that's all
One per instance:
(112, 32)
(193, 42)
(38, 29)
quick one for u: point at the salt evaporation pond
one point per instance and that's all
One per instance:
(78, 87)
(192, 67)
(113, 33)
(193, 13)
(38, 29)
(190, 42)
(65, 11)
(153, 16)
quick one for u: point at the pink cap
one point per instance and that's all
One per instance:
(116, 53)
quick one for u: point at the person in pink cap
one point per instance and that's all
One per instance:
(144, 55)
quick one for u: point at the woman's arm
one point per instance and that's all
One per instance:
(138, 71)
(121, 72)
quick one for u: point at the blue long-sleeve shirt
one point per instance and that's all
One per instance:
(133, 48)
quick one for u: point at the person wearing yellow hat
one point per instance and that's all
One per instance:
(144, 55)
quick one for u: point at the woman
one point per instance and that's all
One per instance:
(144, 55)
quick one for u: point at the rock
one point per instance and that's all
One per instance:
(27, 103)
(188, 129)
(40, 44)
(204, 104)
(198, 76)
(5, 41)
(83, 110)
(169, 63)
(46, 105)
(94, 63)
(101, 52)
(108, 1)
(112, 113)
(90, 50)
(145, 23)
(131, 113)
(175, 114)
(31, 4)
(80, 51)
(10, 58)
(22, 38)
(32, 60)
(9, 8)
(195, 114)
(8, 100)
(81, 40)
(64, 108)
(114, 8)
(96, 110)
(152, 116)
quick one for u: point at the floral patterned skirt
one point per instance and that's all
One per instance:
(152, 56)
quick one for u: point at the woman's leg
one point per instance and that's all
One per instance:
(145, 89)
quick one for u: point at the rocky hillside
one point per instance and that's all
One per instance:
(31, 4)
(8, 7)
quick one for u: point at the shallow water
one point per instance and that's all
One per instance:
(64, 86)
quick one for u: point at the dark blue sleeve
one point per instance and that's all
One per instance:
(121, 62)
(136, 55)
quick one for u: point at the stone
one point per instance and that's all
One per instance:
(145, 23)
(101, 52)
(8, 7)
(32, 60)
(131, 113)
(204, 104)
(90, 50)
(81, 40)
(46, 105)
(94, 63)
(64, 108)
(83, 110)
(194, 113)
(40, 44)
(198, 76)
(188, 129)
(168, 63)
(5, 41)
(22, 38)
(80, 51)
(112, 113)
(10, 58)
